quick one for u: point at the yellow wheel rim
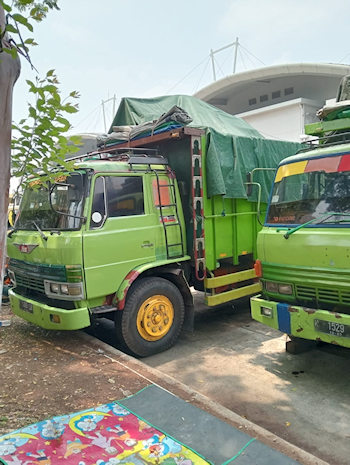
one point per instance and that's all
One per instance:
(155, 318)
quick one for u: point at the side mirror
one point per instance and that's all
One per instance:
(63, 195)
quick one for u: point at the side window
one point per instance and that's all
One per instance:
(98, 210)
(124, 196)
(163, 192)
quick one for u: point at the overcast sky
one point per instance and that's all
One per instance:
(150, 48)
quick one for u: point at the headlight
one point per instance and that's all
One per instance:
(285, 289)
(279, 288)
(271, 287)
(64, 291)
(54, 288)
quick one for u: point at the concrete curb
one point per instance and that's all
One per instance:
(167, 382)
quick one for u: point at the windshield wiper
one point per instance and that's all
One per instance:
(40, 231)
(319, 219)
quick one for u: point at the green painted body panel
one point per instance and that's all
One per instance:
(230, 225)
(302, 321)
(111, 251)
(315, 262)
(321, 127)
(65, 248)
(120, 294)
(314, 248)
(41, 316)
(231, 229)
(255, 305)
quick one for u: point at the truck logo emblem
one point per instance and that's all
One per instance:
(25, 248)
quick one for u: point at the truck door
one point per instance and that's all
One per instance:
(120, 234)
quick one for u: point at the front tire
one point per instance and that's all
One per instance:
(152, 317)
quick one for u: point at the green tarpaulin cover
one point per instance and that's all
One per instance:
(234, 147)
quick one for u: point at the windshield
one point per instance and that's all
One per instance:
(311, 189)
(67, 197)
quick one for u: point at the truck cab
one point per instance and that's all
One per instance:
(304, 247)
(79, 244)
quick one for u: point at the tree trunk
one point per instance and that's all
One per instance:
(9, 72)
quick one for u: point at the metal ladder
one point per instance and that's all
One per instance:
(166, 225)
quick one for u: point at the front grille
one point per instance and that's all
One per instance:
(308, 293)
(30, 282)
(314, 287)
(30, 276)
(334, 296)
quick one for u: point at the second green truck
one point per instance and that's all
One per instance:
(304, 246)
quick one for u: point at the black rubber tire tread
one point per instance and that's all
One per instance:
(125, 321)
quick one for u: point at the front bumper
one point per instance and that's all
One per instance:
(49, 317)
(302, 322)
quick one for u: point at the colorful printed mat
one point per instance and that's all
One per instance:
(106, 435)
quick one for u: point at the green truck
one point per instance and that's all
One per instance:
(141, 222)
(304, 246)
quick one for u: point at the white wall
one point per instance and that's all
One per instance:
(285, 120)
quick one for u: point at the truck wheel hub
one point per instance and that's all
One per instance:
(155, 317)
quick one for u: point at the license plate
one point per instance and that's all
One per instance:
(26, 306)
(332, 328)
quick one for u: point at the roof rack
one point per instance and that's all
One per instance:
(133, 156)
(328, 140)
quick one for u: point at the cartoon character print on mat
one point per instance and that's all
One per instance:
(118, 410)
(158, 447)
(123, 439)
(111, 461)
(10, 442)
(7, 447)
(144, 426)
(86, 422)
(134, 459)
(182, 460)
(40, 458)
(14, 460)
(105, 435)
(101, 441)
(74, 447)
(51, 429)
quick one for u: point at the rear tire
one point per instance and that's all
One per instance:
(152, 317)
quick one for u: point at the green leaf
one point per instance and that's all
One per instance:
(22, 20)
(50, 88)
(10, 28)
(70, 108)
(31, 42)
(32, 112)
(5, 6)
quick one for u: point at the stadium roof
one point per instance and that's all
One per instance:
(258, 88)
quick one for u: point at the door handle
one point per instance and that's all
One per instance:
(147, 244)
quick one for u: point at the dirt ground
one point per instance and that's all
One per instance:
(48, 373)
(44, 373)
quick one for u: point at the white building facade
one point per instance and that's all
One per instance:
(277, 100)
